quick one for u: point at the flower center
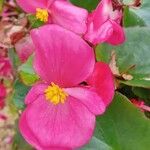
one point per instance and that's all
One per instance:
(42, 14)
(55, 94)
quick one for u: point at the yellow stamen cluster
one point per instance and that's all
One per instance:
(42, 14)
(55, 94)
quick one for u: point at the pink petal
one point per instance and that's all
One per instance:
(61, 56)
(24, 48)
(69, 16)
(89, 98)
(101, 34)
(102, 80)
(118, 35)
(66, 126)
(29, 136)
(101, 13)
(30, 6)
(35, 92)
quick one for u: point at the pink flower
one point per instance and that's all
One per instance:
(104, 25)
(2, 95)
(24, 48)
(60, 12)
(60, 113)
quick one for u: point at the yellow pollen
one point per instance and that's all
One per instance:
(42, 14)
(55, 94)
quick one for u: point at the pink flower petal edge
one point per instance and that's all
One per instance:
(89, 98)
(102, 80)
(30, 6)
(35, 92)
(69, 16)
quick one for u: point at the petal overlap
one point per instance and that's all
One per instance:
(89, 98)
(35, 92)
(102, 80)
(69, 16)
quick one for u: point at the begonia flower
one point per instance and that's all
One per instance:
(61, 110)
(104, 25)
(24, 48)
(60, 12)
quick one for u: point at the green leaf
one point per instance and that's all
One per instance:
(26, 72)
(123, 126)
(96, 144)
(131, 19)
(35, 23)
(143, 11)
(102, 53)
(142, 93)
(14, 58)
(137, 82)
(87, 4)
(19, 142)
(19, 93)
(134, 52)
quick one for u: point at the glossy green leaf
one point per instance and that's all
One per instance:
(123, 127)
(87, 4)
(143, 11)
(15, 61)
(19, 93)
(132, 57)
(142, 93)
(26, 72)
(131, 19)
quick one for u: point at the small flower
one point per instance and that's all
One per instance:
(104, 25)
(59, 12)
(60, 112)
